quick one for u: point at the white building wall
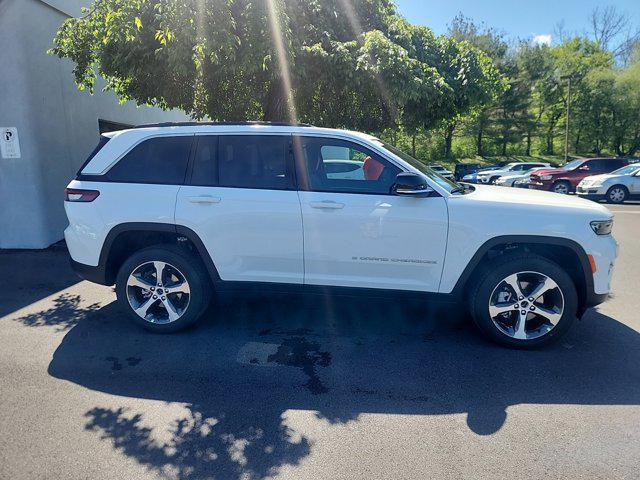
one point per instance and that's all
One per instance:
(57, 124)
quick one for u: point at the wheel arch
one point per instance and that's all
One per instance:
(126, 238)
(567, 253)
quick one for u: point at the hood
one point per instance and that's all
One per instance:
(534, 199)
(515, 175)
(549, 171)
(599, 178)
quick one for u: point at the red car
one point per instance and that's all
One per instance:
(565, 179)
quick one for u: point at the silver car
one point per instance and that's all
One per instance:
(615, 187)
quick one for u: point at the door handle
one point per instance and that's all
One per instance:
(327, 205)
(205, 200)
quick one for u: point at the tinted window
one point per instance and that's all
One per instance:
(340, 166)
(157, 160)
(254, 162)
(205, 168)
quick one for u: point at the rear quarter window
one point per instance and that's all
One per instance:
(101, 143)
(161, 160)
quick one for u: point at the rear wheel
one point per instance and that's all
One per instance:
(164, 289)
(561, 187)
(527, 301)
(617, 194)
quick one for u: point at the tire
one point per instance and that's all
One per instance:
(562, 187)
(617, 194)
(187, 302)
(529, 269)
(492, 180)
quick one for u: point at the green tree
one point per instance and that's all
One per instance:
(354, 64)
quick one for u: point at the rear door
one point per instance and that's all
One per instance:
(241, 201)
(356, 232)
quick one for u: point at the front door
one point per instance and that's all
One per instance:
(356, 231)
(241, 201)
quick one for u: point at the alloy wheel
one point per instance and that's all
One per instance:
(526, 305)
(561, 188)
(158, 292)
(617, 195)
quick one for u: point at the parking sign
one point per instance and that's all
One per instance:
(9, 142)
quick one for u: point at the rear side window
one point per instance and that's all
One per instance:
(205, 165)
(247, 161)
(157, 160)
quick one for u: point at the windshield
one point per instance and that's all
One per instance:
(572, 165)
(628, 170)
(448, 185)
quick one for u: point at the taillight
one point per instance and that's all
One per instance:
(78, 195)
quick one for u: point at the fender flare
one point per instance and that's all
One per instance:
(459, 288)
(179, 230)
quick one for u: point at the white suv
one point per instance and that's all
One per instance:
(171, 212)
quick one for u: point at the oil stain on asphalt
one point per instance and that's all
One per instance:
(301, 353)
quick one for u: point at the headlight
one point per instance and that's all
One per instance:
(545, 177)
(602, 227)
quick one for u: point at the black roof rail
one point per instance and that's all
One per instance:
(199, 124)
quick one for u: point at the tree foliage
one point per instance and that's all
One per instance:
(348, 63)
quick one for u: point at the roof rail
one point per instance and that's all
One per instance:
(198, 124)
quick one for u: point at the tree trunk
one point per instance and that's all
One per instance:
(549, 149)
(276, 105)
(413, 145)
(528, 152)
(504, 146)
(479, 139)
(448, 140)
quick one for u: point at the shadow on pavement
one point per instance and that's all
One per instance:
(33, 275)
(240, 370)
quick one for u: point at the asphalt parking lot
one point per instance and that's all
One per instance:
(309, 387)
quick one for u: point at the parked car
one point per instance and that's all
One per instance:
(440, 170)
(463, 169)
(523, 183)
(171, 213)
(509, 179)
(566, 178)
(615, 187)
(492, 174)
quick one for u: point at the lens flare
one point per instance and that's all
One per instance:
(358, 31)
(281, 53)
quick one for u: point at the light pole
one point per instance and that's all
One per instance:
(566, 133)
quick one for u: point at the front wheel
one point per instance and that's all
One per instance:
(163, 288)
(563, 188)
(617, 194)
(526, 301)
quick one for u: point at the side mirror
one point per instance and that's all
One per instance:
(412, 185)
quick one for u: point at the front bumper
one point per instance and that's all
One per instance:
(590, 193)
(540, 185)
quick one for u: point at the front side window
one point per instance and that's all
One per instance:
(334, 165)
(254, 161)
(156, 160)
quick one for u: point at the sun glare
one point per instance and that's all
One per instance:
(283, 64)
